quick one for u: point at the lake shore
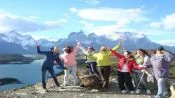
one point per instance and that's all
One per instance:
(69, 91)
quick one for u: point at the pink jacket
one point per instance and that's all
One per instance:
(70, 59)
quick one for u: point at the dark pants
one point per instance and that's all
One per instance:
(51, 71)
(104, 72)
(92, 67)
(125, 78)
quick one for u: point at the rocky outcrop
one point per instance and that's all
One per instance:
(90, 81)
(4, 81)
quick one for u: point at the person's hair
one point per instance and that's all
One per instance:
(54, 48)
(68, 49)
(160, 48)
(129, 53)
(91, 48)
(144, 52)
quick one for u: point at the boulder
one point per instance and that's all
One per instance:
(4, 81)
(90, 81)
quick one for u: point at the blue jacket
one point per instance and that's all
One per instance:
(49, 59)
(161, 65)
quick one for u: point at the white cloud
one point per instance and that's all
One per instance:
(167, 22)
(112, 14)
(93, 2)
(10, 22)
(167, 42)
(73, 9)
(155, 24)
(86, 24)
(108, 30)
(121, 17)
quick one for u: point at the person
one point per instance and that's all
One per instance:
(160, 62)
(52, 58)
(104, 64)
(125, 66)
(69, 59)
(92, 65)
(142, 58)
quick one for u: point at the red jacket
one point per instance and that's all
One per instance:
(131, 64)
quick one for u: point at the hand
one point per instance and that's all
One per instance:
(55, 62)
(63, 67)
(143, 70)
(38, 46)
(108, 48)
(78, 43)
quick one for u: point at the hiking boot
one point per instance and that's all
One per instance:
(124, 91)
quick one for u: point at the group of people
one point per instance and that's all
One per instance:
(141, 67)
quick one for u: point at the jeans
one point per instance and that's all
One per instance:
(73, 70)
(162, 87)
(51, 71)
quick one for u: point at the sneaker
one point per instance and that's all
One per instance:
(148, 91)
(131, 92)
(64, 85)
(137, 91)
(42, 91)
(124, 91)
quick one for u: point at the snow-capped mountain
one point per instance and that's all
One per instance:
(13, 37)
(14, 42)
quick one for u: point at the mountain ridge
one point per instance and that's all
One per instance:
(14, 42)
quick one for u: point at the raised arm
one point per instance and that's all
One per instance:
(41, 52)
(84, 51)
(115, 49)
(75, 50)
(168, 56)
(116, 54)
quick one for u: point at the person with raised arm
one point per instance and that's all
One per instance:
(160, 62)
(52, 58)
(104, 64)
(125, 66)
(92, 64)
(69, 59)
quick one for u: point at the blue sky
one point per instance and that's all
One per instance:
(54, 19)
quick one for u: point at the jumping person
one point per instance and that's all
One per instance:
(52, 57)
(160, 62)
(104, 64)
(142, 58)
(125, 66)
(92, 65)
(69, 59)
